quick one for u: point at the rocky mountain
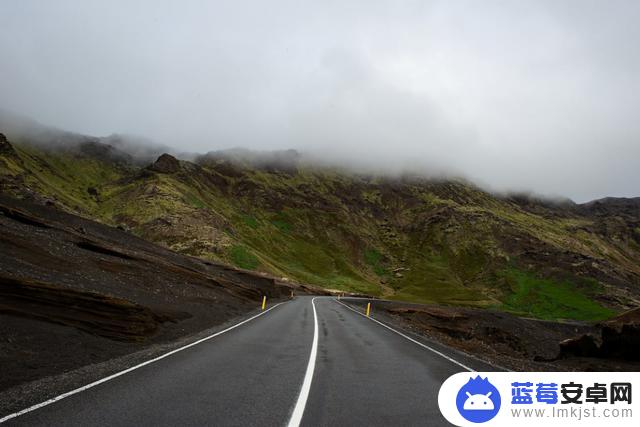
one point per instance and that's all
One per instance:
(405, 237)
(77, 292)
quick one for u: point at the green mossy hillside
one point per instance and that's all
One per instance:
(406, 238)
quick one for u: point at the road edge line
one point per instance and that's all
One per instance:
(439, 353)
(126, 371)
(301, 403)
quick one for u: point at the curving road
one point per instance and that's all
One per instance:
(309, 361)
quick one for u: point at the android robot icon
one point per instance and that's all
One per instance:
(478, 400)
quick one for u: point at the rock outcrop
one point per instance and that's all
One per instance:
(620, 339)
(4, 143)
(166, 163)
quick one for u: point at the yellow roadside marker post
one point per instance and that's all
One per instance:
(368, 308)
(264, 302)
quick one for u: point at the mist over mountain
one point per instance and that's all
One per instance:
(533, 95)
(405, 236)
(21, 128)
(142, 150)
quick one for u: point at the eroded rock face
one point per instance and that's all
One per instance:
(583, 346)
(620, 339)
(621, 343)
(113, 294)
(621, 336)
(166, 163)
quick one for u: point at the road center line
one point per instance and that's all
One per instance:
(409, 338)
(298, 411)
(133, 368)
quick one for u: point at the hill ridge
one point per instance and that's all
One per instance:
(413, 238)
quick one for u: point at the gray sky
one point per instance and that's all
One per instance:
(539, 95)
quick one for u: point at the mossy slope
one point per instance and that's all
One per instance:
(405, 238)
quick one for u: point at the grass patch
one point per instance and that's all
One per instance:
(374, 259)
(243, 258)
(282, 225)
(250, 221)
(194, 201)
(372, 256)
(281, 222)
(430, 279)
(549, 299)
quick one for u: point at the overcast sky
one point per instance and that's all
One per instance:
(538, 95)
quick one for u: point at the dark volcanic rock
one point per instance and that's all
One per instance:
(4, 143)
(94, 313)
(612, 206)
(620, 340)
(488, 332)
(583, 346)
(103, 152)
(166, 163)
(621, 336)
(74, 292)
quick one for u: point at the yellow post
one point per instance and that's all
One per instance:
(264, 302)
(368, 308)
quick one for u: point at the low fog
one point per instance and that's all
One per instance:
(528, 95)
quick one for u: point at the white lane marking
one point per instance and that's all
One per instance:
(133, 368)
(409, 338)
(298, 411)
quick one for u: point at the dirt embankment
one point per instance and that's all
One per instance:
(521, 344)
(74, 292)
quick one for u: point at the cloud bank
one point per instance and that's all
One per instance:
(537, 95)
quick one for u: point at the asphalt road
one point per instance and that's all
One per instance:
(363, 374)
